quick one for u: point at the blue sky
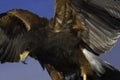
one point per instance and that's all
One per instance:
(33, 71)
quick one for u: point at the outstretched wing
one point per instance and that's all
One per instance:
(17, 33)
(96, 21)
(21, 31)
(102, 20)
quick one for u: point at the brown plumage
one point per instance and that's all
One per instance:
(68, 45)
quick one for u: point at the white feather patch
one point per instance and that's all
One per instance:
(96, 63)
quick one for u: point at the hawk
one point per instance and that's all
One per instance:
(68, 45)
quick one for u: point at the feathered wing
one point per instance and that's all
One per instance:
(20, 31)
(102, 22)
(17, 33)
(97, 22)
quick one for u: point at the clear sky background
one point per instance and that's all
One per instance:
(33, 71)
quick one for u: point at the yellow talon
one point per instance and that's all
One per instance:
(83, 73)
(24, 55)
(84, 77)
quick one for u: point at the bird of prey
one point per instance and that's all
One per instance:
(68, 45)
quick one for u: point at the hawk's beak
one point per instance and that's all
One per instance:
(23, 56)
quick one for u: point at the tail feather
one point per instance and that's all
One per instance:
(110, 73)
(101, 69)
